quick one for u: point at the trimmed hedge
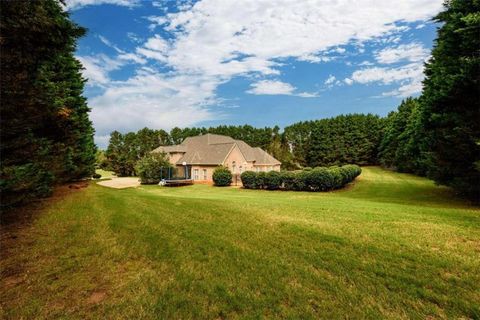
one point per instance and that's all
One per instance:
(249, 179)
(260, 180)
(317, 179)
(222, 177)
(273, 180)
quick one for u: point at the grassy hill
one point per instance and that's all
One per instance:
(390, 246)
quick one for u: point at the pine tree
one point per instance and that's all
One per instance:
(45, 131)
(451, 99)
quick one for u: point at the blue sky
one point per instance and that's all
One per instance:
(182, 63)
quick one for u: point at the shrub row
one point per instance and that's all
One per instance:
(317, 179)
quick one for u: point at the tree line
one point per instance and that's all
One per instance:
(46, 135)
(438, 134)
(341, 140)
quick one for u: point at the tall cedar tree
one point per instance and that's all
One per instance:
(346, 139)
(400, 147)
(46, 136)
(451, 99)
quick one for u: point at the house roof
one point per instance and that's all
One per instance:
(213, 149)
(171, 149)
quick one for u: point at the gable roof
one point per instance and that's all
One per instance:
(213, 149)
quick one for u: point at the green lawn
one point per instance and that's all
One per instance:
(390, 246)
(105, 174)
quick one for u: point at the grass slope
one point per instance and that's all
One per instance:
(390, 246)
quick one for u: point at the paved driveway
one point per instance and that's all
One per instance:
(121, 183)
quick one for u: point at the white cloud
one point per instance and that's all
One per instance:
(406, 90)
(366, 63)
(156, 21)
(276, 87)
(409, 76)
(153, 100)
(405, 52)
(272, 87)
(348, 81)
(388, 75)
(77, 4)
(212, 41)
(108, 43)
(134, 37)
(132, 57)
(330, 80)
(308, 95)
(97, 68)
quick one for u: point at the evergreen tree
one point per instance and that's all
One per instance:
(45, 131)
(451, 97)
(345, 139)
(400, 146)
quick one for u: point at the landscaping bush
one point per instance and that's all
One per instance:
(338, 177)
(248, 179)
(288, 180)
(222, 177)
(273, 180)
(300, 181)
(351, 171)
(319, 179)
(260, 180)
(152, 168)
(96, 176)
(345, 175)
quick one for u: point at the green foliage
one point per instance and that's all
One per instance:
(403, 137)
(438, 134)
(288, 180)
(317, 179)
(260, 180)
(273, 180)
(46, 135)
(248, 179)
(450, 99)
(338, 177)
(351, 171)
(300, 181)
(101, 161)
(222, 177)
(344, 139)
(152, 168)
(124, 150)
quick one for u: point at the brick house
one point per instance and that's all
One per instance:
(201, 154)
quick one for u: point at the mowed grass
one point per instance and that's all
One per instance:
(389, 246)
(105, 174)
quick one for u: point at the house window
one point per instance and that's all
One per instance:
(257, 169)
(195, 174)
(204, 174)
(234, 167)
(240, 169)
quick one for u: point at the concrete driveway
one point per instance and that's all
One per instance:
(121, 183)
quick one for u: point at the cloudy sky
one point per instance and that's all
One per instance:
(182, 63)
